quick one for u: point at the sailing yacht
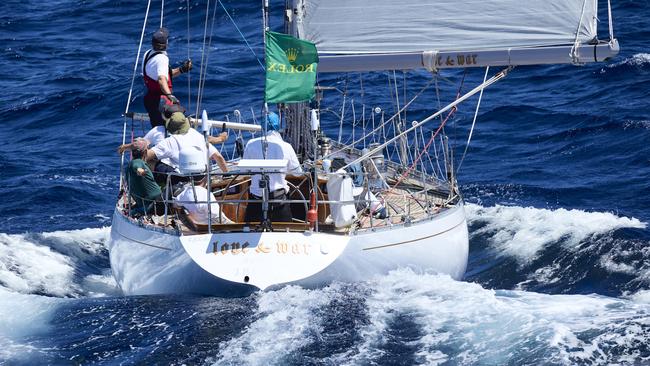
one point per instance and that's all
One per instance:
(359, 209)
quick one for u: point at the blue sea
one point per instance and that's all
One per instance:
(556, 181)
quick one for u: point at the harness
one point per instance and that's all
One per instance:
(152, 85)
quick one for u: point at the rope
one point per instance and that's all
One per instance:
(611, 24)
(201, 68)
(189, 79)
(162, 12)
(469, 138)
(242, 35)
(433, 137)
(575, 56)
(383, 124)
(128, 102)
(491, 81)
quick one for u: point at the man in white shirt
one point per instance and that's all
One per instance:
(189, 198)
(276, 148)
(181, 136)
(157, 75)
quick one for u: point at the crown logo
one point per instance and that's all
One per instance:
(292, 54)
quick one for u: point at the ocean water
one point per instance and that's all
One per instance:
(556, 181)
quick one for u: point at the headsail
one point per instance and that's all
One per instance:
(385, 34)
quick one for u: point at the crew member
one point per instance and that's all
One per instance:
(276, 148)
(194, 197)
(181, 136)
(158, 75)
(143, 189)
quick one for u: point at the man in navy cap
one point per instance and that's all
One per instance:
(158, 76)
(276, 148)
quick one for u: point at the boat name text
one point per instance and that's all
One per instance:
(280, 247)
(459, 60)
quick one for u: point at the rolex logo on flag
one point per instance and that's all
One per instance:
(290, 69)
(292, 54)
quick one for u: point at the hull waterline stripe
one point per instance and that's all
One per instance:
(141, 242)
(410, 241)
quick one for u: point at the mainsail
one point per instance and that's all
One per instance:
(358, 35)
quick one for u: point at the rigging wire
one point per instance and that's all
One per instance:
(384, 122)
(433, 137)
(574, 53)
(611, 25)
(189, 79)
(242, 35)
(471, 131)
(162, 12)
(203, 66)
(503, 73)
(128, 102)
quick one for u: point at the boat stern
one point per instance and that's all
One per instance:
(264, 259)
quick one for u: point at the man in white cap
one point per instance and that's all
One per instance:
(158, 75)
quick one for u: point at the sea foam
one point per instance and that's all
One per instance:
(522, 232)
(47, 263)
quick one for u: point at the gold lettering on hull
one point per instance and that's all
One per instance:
(281, 247)
(261, 248)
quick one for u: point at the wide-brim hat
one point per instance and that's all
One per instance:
(177, 124)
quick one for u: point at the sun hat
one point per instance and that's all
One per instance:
(177, 124)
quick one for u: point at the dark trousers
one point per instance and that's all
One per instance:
(148, 207)
(152, 105)
(160, 174)
(278, 212)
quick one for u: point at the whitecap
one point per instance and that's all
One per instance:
(522, 232)
(463, 323)
(637, 60)
(47, 263)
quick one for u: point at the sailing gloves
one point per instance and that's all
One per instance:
(173, 99)
(186, 66)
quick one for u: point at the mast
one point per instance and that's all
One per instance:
(297, 115)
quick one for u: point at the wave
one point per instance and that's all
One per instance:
(522, 232)
(20, 316)
(414, 318)
(638, 60)
(70, 263)
(289, 318)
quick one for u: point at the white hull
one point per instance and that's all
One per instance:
(145, 261)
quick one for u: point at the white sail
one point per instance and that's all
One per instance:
(387, 26)
(450, 33)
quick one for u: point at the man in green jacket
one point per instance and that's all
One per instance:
(143, 188)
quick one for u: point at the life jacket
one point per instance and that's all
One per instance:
(152, 84)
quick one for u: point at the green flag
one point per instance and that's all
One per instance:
(290, 69)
